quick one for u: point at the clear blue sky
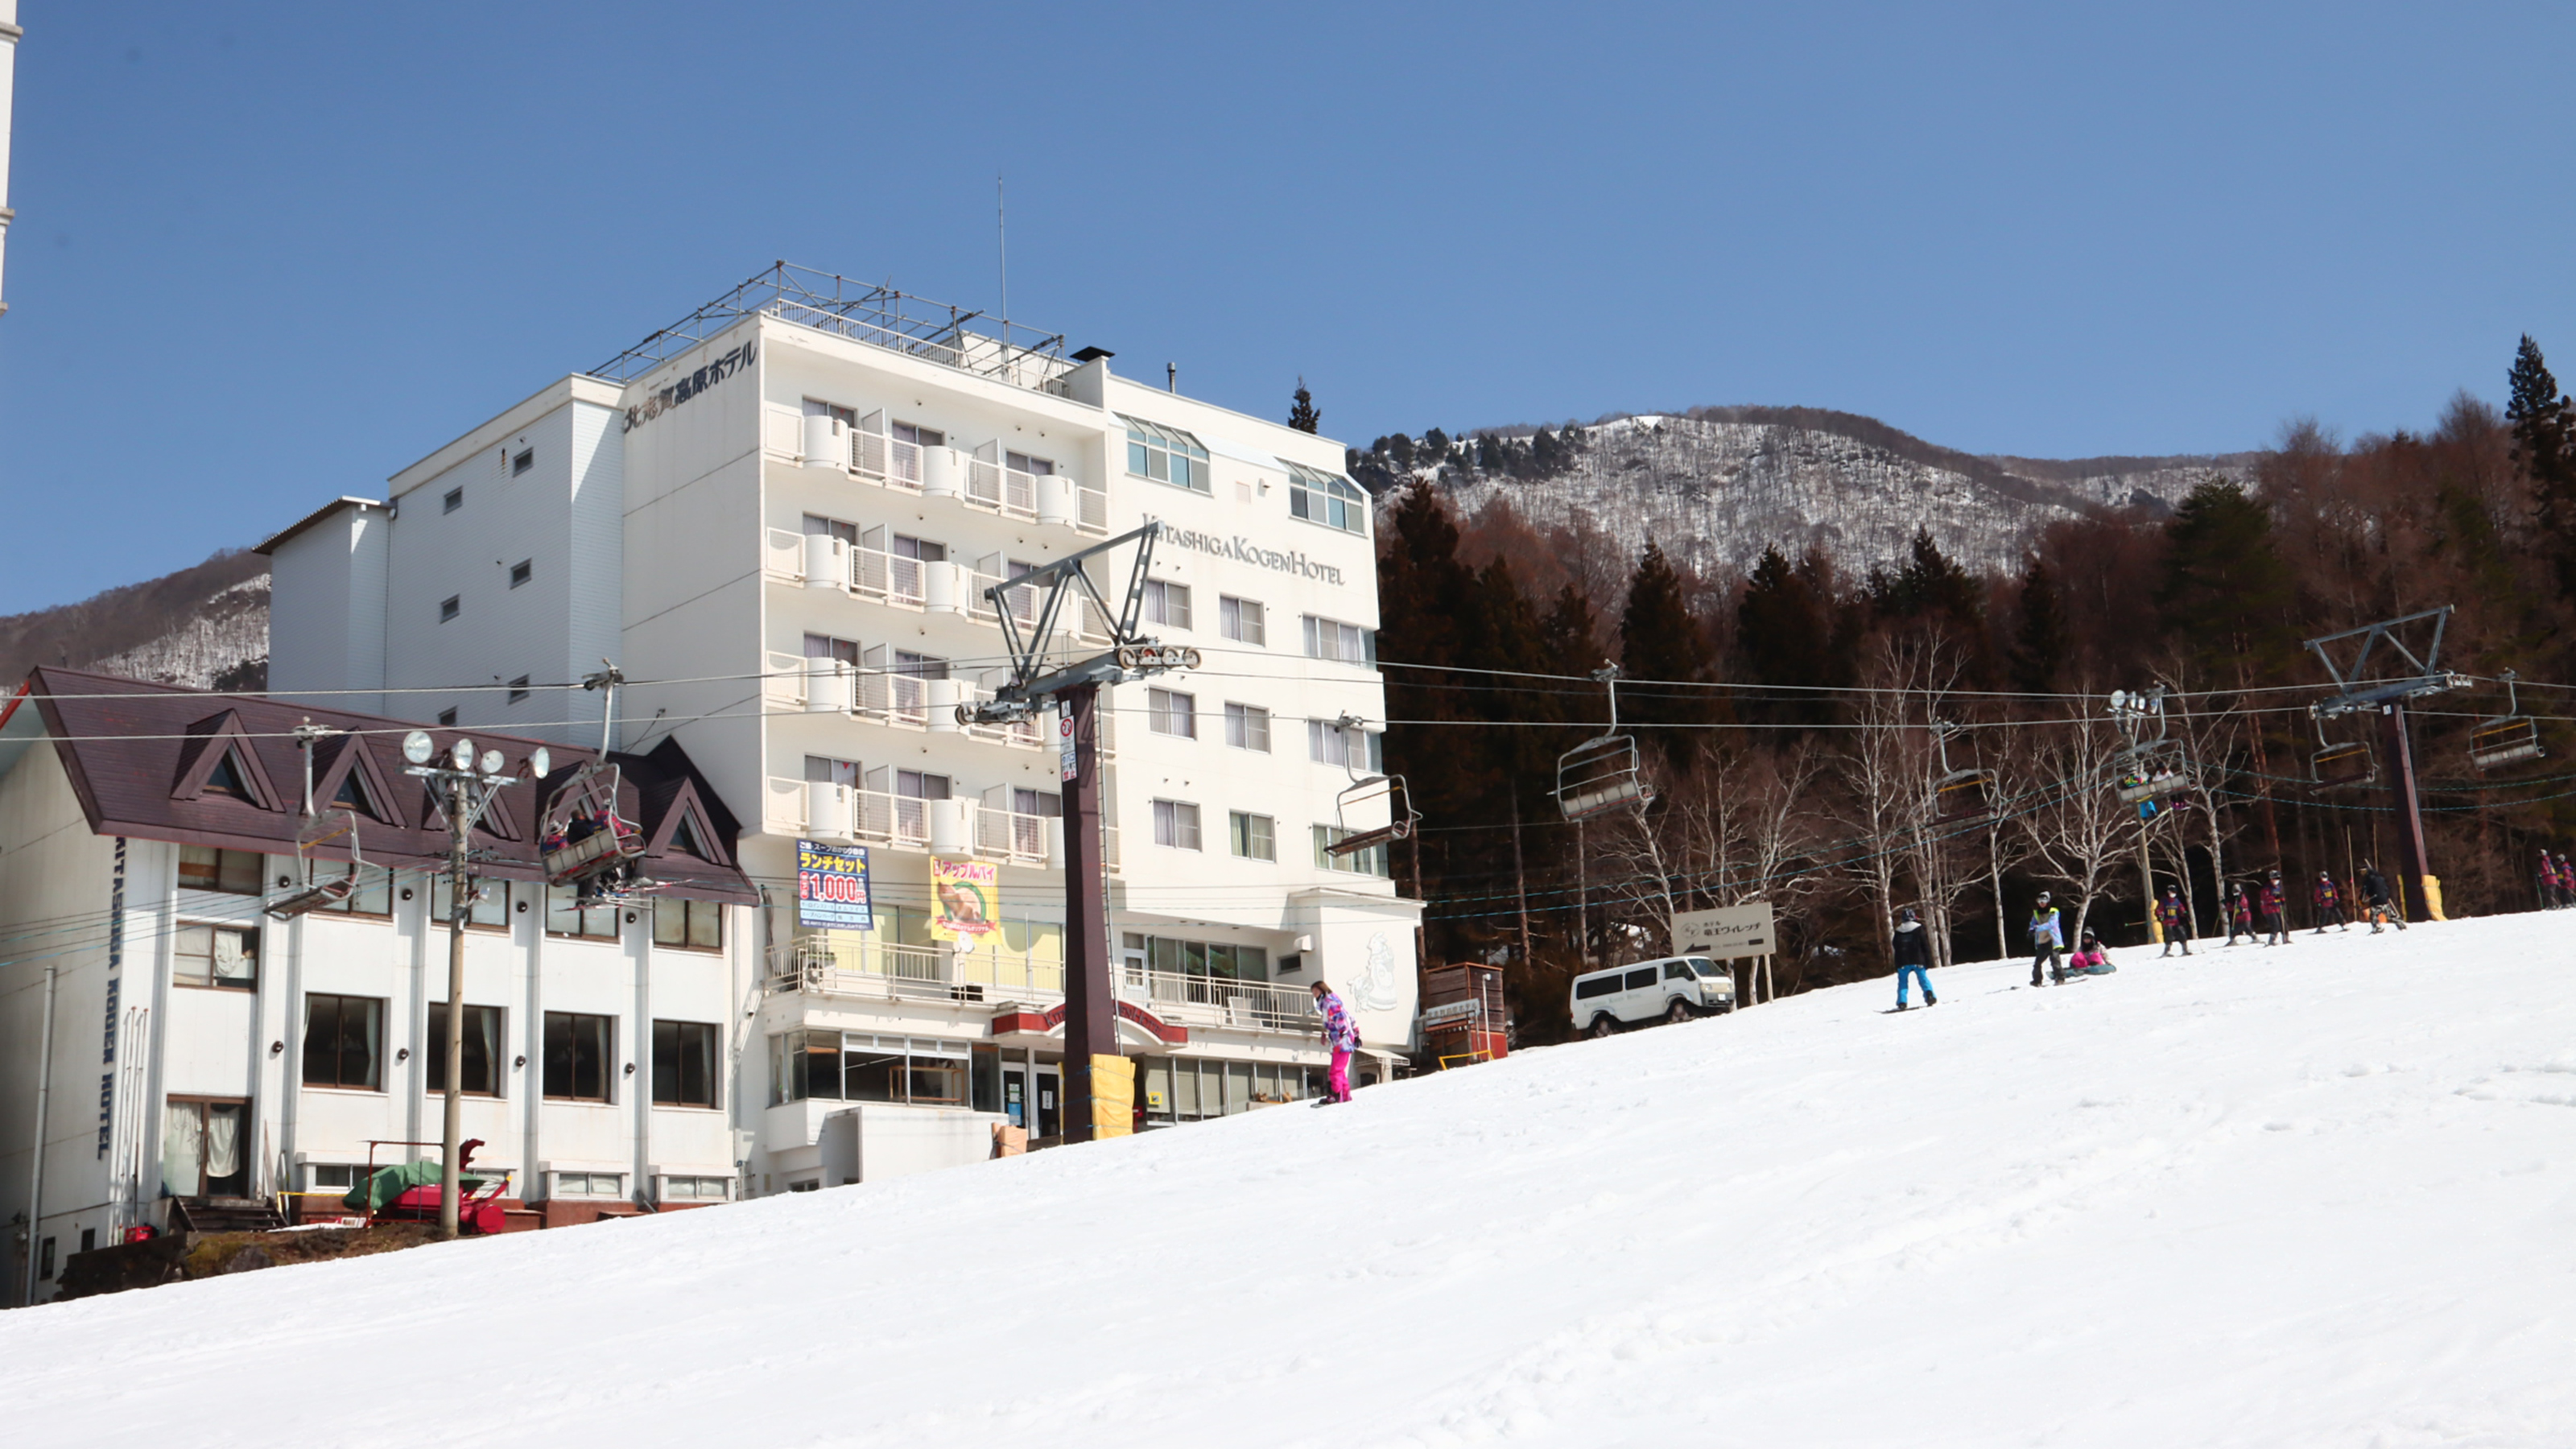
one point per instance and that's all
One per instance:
(269, 254)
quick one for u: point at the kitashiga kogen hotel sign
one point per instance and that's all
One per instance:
(1244, 550)
(688, 385)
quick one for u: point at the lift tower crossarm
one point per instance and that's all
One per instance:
(2355, 689)
(1134, 656)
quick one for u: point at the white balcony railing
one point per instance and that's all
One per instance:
(860, 965)
(826, 811)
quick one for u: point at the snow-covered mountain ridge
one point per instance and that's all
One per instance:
(1717, 486)
(2256, 1197)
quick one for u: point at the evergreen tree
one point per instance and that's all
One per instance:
(1301, 410)
(2226, 594)
(1783, 637)
(2544, 448)
(1435, 448)
(2039, 654)
(1660, 641)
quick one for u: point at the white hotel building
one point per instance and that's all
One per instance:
(779, 517)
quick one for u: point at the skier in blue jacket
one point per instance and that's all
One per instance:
(2046, 940)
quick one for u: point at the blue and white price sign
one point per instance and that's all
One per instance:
(832, 887)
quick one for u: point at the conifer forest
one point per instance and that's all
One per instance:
(1796, 720)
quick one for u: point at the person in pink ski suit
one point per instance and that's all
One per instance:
(1342, 1035)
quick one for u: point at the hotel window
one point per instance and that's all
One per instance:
(343, 1041)
(833, 1066)
(1328, 500)
(1169, 712)
(1371, 861)
(816, 523)
(817, 408)
(1241, 620)
(565, 917)
(1034, 467)
(705, 1189)
(590, 1184)
(1255, 837)
(518, 689)
(454, 500)
(1166, 455)
(1176, 824)
(482, 1074)
(490, 909)
(824, 646)
(526, 459)
(1347, 643)
(1328, 742)
(695, 925)
(226, 956)
(450, 607)
(374, 895)
(577, 1056)
(920, 436)
(1247, 727)
(522, 571)
(684, 1064)
(1167, 603)
(234, 872)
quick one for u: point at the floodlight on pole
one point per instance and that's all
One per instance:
(416, 747)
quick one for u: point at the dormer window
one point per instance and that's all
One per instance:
(226, 779)
(1166, 455)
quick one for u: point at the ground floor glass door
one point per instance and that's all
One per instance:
(205, 1148)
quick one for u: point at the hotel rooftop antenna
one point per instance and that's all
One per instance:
(1001, 251)
(9, 33)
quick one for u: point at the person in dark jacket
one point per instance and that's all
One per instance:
(2240, 913)
(2329, 903)
(1912, 950)
(2173, 921)
(2375, 899)
(2274, 905)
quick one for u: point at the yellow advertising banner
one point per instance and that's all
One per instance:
(967, 896)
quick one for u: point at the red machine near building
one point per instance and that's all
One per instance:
(1463, 1016)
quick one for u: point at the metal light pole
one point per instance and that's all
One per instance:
(468, 786)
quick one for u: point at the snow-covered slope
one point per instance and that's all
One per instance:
(1718, 492)
(2309, 1196)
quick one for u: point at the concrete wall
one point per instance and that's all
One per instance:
(332, 640)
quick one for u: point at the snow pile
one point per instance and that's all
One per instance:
(2313, 1195)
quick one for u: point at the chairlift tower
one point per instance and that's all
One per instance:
(2145, 773)
(1037, 680)
(2360, 690)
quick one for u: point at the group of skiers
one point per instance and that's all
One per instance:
(2557, 881)
(2268, 906)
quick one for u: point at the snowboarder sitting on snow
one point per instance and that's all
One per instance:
(2329, 903)
(2274, 906)
(2240, 913)
(2046, 940)
(2174, 921)
(1911, 950)
(2374, 895)
(2089, 959)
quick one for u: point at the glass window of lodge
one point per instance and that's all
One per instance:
(225, 956)
(1176, 824)
(1371, 861)
(1169, 712)
(1242, 620)
(684, 1064)
(1254, 836)
(481, 1076)
(566, 916)
(372, 896)
(490, 909)
(695, 925)
(1167, 455)
(344, 1039)
(1167, 603)
(1323, 498)
(1346, 643)
(577, 1055)
(234, 872)
(1247, 727)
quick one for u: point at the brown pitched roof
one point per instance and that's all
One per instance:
(140, 757)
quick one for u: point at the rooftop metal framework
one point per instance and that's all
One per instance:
(867, 312)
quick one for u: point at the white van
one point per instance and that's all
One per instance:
(1675, 988)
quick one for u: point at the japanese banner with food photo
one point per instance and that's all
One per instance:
(968, 896)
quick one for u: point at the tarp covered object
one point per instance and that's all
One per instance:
(378, 1192)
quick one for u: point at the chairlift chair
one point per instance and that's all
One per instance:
(1960, 798)
(2509, 739)
(1360, 794)
(1601, 774)
(2151, 771)
(582, 840)
(319, 829)
(2349, 764)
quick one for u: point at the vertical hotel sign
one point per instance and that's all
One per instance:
(832, 887)
(115, 990)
